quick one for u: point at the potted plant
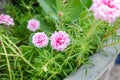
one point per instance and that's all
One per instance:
(49, 39)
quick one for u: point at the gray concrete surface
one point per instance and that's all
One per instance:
(113, 74)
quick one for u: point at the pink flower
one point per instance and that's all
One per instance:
(33, 25)
(59, 40)
(6, 20)
(40, 39)
(107, 10)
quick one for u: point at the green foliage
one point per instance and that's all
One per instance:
(86, 3)
(20, 59)
(45, 25)
(48, 7)
(27, 5)
(71, 9)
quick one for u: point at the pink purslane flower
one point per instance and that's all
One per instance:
(40, 39)
(6, 20)
(33, 25)
(59, 40)
(107, 10)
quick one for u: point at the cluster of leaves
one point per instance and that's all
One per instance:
(20, 60)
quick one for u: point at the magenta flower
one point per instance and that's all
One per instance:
(107, 10)
(40, 39)
(6, 20)
(33, 25)
(59, 40)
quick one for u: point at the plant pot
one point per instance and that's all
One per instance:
(101, 63)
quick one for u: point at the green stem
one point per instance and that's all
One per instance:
(8, 63)
(7, 54)
(109, 34)
(92, 29)
(21, 73)
(65, 61)
(25, 60)
(116, 27)
(111, 44)
(18, 52)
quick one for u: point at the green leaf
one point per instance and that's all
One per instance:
(14, 39)
(86, 3)
(48, 7)
(30, 40)
(20, 30)
(44, 26)
(25, 48)
(72, 10)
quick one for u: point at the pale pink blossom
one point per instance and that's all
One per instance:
(33, 25)
(59, 40)
(107, 10)
(6, 20)
(40, 39)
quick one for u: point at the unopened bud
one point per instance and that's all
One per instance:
(45, 68)
(64, 1)
(60, 14)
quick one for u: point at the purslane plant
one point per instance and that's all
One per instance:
(107, 10)
(33, 25)
(6, 20)
(59, 40)
(54, 55)
(40, 39)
